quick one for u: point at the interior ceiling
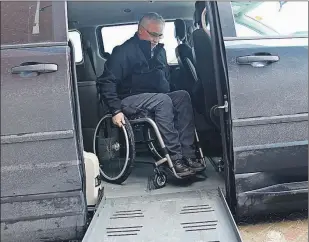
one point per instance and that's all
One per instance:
(86, 13)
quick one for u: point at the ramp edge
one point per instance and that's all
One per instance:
(230, 216)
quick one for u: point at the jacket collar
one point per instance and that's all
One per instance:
(145, 46)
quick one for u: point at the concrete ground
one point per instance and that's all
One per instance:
(291, 228)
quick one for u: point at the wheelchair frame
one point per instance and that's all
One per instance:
(160, 177)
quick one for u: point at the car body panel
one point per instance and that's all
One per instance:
(42, 182)
(269, 112)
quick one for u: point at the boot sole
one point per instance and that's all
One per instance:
(185, 174)
(181, 174)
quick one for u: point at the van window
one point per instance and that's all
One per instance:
(24, 22)
(116, 35)
(274, 18)
(75, 37)
(243, 30)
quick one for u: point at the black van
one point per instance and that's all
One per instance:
(253, 70)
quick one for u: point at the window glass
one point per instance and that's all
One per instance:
(75, 37)
(245, 31)
(270, 18)
(117, 35)
(24, 22)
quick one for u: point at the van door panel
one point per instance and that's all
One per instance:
(269, 107)
(31, 102)
(39, 154)
(53, 168)
(26, 22)
(37, 125)
(273, 90)
(42, 186)
(269, 112)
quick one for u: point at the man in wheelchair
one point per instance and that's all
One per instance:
(136, 82)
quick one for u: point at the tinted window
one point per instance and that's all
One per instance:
(30, 22)
(273, 18)
(75, 37)
(116, 35)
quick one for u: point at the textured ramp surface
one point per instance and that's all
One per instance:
(185, 216)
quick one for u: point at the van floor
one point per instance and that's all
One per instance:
(191, 211)
(139, 184)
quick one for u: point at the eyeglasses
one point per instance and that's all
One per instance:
(153, 34)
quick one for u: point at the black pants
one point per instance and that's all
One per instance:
(173, 115)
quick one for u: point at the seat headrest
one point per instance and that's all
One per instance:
(180, 29)
(87, 44)
(199, 8)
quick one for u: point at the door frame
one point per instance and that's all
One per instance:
(221, 78)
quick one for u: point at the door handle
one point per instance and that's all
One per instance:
(257, 60)
(39, 68)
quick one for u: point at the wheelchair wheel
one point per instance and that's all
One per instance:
(152, 143)
(115, 149)
(159, 181)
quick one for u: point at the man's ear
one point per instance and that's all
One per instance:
(139, 30)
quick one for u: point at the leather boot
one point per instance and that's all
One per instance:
(182, 169)
(194, 164)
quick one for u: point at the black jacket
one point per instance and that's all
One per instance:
(130, 70)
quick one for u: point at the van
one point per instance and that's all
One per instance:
(252, 76)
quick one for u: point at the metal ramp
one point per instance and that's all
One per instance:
(199, 216)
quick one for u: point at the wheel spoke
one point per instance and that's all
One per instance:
(112, 147)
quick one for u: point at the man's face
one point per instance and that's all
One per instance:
(152, 31)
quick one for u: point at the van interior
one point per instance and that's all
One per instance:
(95, 28)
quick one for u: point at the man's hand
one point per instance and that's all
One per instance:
(118, 119)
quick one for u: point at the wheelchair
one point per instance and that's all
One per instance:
(115, 149)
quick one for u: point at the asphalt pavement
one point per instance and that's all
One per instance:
(277, 228)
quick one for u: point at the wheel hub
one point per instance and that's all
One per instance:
(161, 180)
(116, 146)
